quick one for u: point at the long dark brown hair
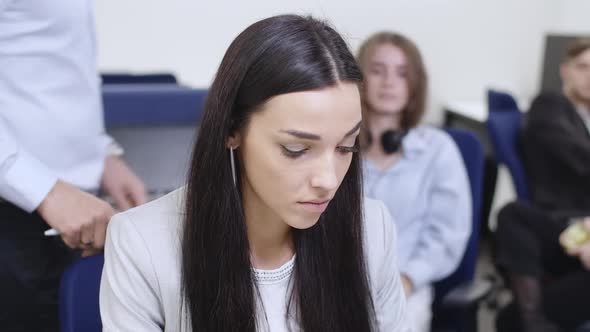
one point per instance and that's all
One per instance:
(330, 286)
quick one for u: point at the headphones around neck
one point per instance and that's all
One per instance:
(391, 140)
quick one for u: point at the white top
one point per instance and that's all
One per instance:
(140, 285)
(51, 122)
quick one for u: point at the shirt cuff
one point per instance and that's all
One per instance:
(26, 182)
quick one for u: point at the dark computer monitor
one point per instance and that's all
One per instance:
(555, 47)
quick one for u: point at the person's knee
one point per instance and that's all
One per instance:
(511, 221)
(505, 221)
(509, 213)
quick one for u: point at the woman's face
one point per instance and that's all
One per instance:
(386, 83)
(296, 151)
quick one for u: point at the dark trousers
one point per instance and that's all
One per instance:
(31, 265)
(527, 243)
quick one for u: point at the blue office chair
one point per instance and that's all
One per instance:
(457, 297)
(501, 101)
(503, 124)
(156, 126)
(504, 131)
(127, 78)
(78, 296)
(151, 104)
(135, 106)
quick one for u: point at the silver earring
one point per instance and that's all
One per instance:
(233, 164)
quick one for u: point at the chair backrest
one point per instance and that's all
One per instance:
(504, 129)
(126, 78)
(504, 123)
(151, 104)
(501, 101)
(78, 296)
(156, 126)
(473, 157)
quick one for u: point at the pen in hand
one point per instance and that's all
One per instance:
(51, 232)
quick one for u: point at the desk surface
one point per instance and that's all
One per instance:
(477, 110)
(474, 110)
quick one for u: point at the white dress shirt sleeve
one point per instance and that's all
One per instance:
(24, 180)
(51, 120)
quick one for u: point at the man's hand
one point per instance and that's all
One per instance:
(126, 189)
(80, 218)
(583, 251)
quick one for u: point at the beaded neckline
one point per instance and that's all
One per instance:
(276, 275)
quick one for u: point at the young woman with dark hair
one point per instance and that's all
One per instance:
(271, 232)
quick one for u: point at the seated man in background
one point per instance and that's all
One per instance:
(556, 147)
(54, 153)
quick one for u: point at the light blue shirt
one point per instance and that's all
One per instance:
(427, 193)
(51, 122)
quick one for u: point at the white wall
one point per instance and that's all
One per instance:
(468, 45)
(573, 17)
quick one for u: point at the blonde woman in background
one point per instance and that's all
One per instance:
(417, 171)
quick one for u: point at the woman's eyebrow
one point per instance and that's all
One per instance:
(315, 137)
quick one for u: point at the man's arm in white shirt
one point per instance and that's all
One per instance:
(24, 180)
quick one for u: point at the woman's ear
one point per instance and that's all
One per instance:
(233, 141)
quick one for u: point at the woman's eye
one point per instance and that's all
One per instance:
(348, 149)
(293, 151)
(402, 72)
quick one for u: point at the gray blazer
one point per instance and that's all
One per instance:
(140, 287)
